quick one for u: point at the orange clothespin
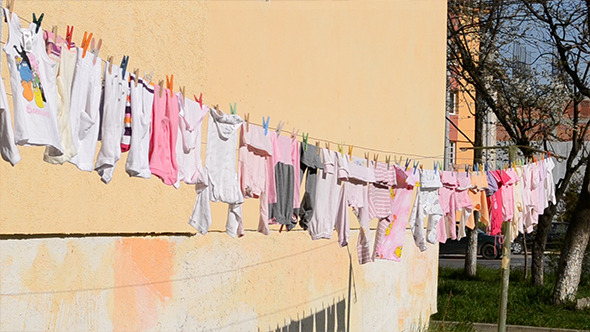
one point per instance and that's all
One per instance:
(375, 159)
(350, 147)
(170, 83)
(247, 118)
(85, 43)
(161, 84)
(199, 100)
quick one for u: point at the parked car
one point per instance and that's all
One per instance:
(488, 246)
(555, 237)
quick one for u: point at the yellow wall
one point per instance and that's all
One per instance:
(366, 73)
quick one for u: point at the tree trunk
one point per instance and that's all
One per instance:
(471, 251)
(539, 243)
(574, 246)
(471, 254)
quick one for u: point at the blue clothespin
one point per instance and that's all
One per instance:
(265, 124)
(124, 63)
(305, 137)
(435, 167)
(416, 164)
(407, 163)
(37, 21)
(233, 109)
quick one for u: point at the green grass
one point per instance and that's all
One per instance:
(474, 300)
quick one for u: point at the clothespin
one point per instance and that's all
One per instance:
(435, 166)
(339, 147)
(85, 43)
(216, 107)
(136, 74)
(148, 77)
(170, 83)
(305, 137)
(466, 170)
(200, 100)
(247, 118)
(387, 160)
(415, 166)
(38, 21)
(95, 50)
(280, 127)
(161, 84)
(421, 167)
(10, 6)
(549, 154)
(367, 158)
(182, 90)
(265, 125)
(54, 32)
(294, 133)
(407, 163)
(110, 61)
(233, 108)
(69, 33)
(124, 63)
(317, 147)
(375, 159)
(328, 146)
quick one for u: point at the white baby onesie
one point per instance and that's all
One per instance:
(426, 205)
(221, 177)
(142, 99)
(188, 152)
(8, 149)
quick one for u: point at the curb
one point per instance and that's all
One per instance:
(485, 327)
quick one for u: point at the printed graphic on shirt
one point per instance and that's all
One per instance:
(28, 67)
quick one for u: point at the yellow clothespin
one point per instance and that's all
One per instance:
(350, 147)
(339, 147)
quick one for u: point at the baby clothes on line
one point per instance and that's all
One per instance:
(508, 180)
(33, 86)
(425, 206)
(380, 203)
(253, 159)
(517, 220)
(327, 197)
(163, 163)
(495, 203)
(188, 154)
(116, 91)
(65, 68)
(8, 148)
(448, 203)
(355, 174)
(391, 246)
(479, 183)
(142, 99)
(549, 181)
(463, 201)
(284, 186)
(310, 163)
(222, 183)
(85, 109)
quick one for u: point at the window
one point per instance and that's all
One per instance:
(453, 100)
(452, 153)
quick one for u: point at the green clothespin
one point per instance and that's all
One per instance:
(305, 137)
(233, 108)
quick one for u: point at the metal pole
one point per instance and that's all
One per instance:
(506, 251)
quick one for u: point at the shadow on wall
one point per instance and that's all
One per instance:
(329, 319)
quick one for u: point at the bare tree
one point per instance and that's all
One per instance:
(566, 25)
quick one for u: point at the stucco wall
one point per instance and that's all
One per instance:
(366, 73)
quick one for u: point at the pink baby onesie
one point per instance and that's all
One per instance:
(464, 203)
(356, 175)
(495, 205)
(509, 178)
(448, 203)
(327, 197)
(165, 119)
(380, 202)
(402, 195)
(284, 185)
(425, 206)
(253, 159)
